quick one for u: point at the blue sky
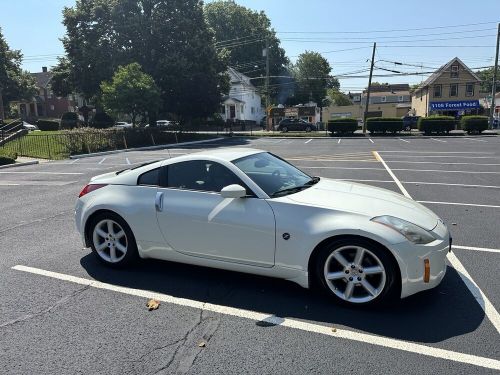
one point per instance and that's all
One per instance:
(348, 28)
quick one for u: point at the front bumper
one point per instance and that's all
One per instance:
(411, 259)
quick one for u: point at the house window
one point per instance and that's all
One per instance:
(252, 110)
(437, 91)
(454, 71)
(469, 89)
(383, 99)
(356, 98)
(401, 98)
(52, 107)
(454, 89)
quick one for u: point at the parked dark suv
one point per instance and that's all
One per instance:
(293, 124)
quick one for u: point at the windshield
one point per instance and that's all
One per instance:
(274, 175)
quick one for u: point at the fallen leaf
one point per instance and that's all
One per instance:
(153, 304)
(334, 329)
(202, 344)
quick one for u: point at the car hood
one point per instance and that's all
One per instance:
(366, 200)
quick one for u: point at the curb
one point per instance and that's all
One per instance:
(19, 164)
(369, 136)
(159, 147)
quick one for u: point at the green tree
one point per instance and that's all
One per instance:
(243, 32)
(312, 76)
(486, 76)
(61, 82)
(338, 98)
(131, 91)
(15, 83)
(168, 38)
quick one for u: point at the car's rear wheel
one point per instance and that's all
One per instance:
(284, 129)
(112, 240)
(356, 272)
(308, 129)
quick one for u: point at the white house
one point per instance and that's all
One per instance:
(243, 101)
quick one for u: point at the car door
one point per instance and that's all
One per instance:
(197, 221)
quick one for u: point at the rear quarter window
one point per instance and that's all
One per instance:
(150, 178)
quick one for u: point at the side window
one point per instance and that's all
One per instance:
(151, 178)
(203, 175)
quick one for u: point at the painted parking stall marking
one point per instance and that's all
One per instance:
(279, 321)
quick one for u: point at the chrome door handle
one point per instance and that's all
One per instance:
(159, 201)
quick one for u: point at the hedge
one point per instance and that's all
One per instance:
(47, 125)
(342, 125)
(474, 124)
(436, 124)
(102, 120)
(7, 157)
(384, 124)
(69, 120)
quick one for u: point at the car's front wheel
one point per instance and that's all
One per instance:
(356, 272)
(308, 129)
(284, 129)
(112, 240)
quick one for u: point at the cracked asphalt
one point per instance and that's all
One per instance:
(52, 326)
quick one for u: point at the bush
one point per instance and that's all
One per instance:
(7, 157)
(47, 125)
(102, 120)
(384, 124)
(474, 124)
(69, 120)
(436, 124)
(342, 125)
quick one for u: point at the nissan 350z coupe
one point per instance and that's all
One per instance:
(250, 211)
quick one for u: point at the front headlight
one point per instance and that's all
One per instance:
(412, 232)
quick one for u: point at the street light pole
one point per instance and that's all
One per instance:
(494, 85)
(369, 86)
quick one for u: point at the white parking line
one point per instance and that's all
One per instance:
(338, 333)
(102, 161)
(128, 161)
(309, 140)
(460, 204)
(400, 185)
(3, 183)
(438, 140)
(477, 140)
(485, 249)
(422, 183)
(404, 140)
(74, 161)
(371, 140)
(478, 294)
(339, 140)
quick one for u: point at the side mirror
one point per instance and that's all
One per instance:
(233, 191)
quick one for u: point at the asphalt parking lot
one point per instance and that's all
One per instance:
(62, 312)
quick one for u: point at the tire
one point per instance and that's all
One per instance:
(365, 289)
(308, 129)
(284, 129)
(110, 229)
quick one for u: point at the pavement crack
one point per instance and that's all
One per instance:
(58, 303)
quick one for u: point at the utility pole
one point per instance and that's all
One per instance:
(267, 83)
(369, 87)
(494, 86)
(2, 113)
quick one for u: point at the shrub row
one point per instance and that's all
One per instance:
(342, 125)
(47, 125)
(436, 124)
(384, 124)
(474, 124)
(7, 157)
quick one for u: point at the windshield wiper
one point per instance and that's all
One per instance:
(312, 181)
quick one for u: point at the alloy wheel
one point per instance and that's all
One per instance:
(110, 240)
(355, 274)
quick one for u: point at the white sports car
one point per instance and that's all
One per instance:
(250, 211)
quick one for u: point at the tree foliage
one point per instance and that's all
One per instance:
(243, 32)
(15, 83)
(312, 76)
(168, 38)
(486, 76)
(338, 98)
(131, 91)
